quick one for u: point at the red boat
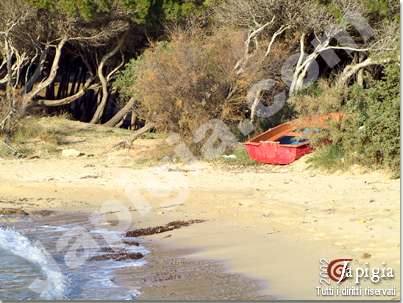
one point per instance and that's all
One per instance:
(286, 143)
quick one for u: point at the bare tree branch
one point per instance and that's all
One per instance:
(110, 75)
(100, 109)
(27, 99)
(240, 65)
(129, 142)
(87, 86)
(30, 66)
(275, 35)
(354, 49)
(352, 69)
(38, 70)
(121, 114)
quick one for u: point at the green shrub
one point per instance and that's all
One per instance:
(242, 157)
(370, 131)
(329, 157)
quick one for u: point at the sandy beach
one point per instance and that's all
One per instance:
(267, 224)
(200, 150)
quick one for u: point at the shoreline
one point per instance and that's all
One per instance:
(162, 272)
(271, 224)
(171, 274)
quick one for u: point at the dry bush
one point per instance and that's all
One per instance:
(185, 82)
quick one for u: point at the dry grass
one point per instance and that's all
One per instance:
(29, 138)
(46, 137)
(150, 152)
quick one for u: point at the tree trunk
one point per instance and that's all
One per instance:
(304, 63)
(13, 71)
(121, 113)
(71, 98)
(133, 119)
(38, 70)
(360, 78)
(62, 85)
(75, 80)
(352, 69)
(27, 98)
(120, 123)
(101, 106)
(5, 123)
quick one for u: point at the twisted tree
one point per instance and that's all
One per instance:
(54, 52)
(35, 40)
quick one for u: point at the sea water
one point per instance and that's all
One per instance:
(37, 261)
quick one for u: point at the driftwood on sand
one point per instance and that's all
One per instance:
(160, 229)
(129, 142)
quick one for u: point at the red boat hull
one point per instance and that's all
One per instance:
(275, 153)
(266, 147)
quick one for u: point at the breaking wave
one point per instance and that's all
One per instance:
(54, 286)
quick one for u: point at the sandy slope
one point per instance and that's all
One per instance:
(269, 223)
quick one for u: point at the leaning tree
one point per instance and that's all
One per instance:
(53, 53)
(36, 40)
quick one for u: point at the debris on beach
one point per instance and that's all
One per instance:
(13, 211)
(229, 157)
(160, 229)
(131, 243)
(118, 256)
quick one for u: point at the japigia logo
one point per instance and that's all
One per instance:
(339, 270)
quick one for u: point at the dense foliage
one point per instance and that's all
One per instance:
(141, 11)
(185, 62)
(370, 132)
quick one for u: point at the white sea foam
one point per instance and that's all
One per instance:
(55, 284)
(98, 276)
